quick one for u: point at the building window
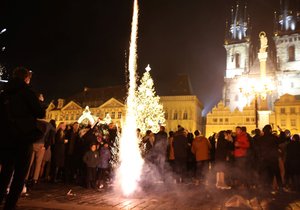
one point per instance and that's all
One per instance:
(185, 116)
(67, 117)
(283, 123)
(252, 119)
(291, 52)
(293, 110)
(247, 119)
(282, 110)
(226, 120)
(175, 116)
(221, 120)
(166, 115)
(119, 115)
(215, 120)
(113, 115)
(106, 113)
(237, 60)
(293, 122)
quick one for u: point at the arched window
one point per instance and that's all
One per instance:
(185, 115)
(175, 116)
(291, 52)
(237, 60)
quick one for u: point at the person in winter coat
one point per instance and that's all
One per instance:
(293, 162)
(103, 167)
(241, 146)
(222, 156)
(91, 158)
(19, 110)
(268, 157)
(200, 148)
(160, 150)
(59, 151)
(180, 152)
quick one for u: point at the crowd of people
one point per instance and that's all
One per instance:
(34, 150)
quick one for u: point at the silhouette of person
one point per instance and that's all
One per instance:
(19, 110)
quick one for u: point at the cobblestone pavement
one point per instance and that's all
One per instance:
(157, 196)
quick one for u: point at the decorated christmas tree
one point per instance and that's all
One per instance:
(149, 110)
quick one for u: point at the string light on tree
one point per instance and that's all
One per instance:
(149, 111)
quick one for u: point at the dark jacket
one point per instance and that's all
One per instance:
(268, 149)
(91, 159)
(104, 157)
(161, 143)
(223, 150)
(20, 109)
(180, 145)
(292, 158)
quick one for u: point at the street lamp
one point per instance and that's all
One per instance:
(260, 90)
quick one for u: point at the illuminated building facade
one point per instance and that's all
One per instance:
(243, 66)
(287, 113)
(180, 105)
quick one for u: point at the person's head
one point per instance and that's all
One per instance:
(23, 74)
(105, 145)
(180, 128)
(222, 135)
(296, 137)
(162, 128)
(257, 132)
(171, 133)
(75, 126)
(287, 133)
(197, 133)
(148, 132)
(267, 130)
(53, 123)
(244, 129)
(238, 130)
(93, 147)
(62, 126)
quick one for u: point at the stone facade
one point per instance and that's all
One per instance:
(184, 110)
(287, 113)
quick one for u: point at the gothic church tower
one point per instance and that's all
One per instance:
(237, 45)
(287, 42)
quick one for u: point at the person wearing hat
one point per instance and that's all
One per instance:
(19, 110)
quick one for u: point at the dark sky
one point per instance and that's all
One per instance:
(70, 44)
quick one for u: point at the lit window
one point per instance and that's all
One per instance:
(247, 119)
(237, 60)
(113, 115)
(221, 120)
(283, 123)
(282, 110)
(67, 117)
(175, 116)
(291, 51)
(293, 122)
(226, 120)
(215, 120)
(293, 110)
(119, 115)
(185, 115)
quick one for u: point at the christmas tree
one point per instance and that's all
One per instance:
(149, 110)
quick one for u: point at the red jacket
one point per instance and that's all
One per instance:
(241, 145)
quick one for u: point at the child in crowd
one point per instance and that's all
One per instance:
(91, 159)
(103, 171)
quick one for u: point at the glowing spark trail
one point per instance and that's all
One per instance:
(131, 160)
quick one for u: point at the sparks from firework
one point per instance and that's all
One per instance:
(131, 160)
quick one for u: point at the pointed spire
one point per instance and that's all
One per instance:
(148, 68)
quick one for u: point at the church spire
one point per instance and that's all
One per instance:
(288, 19)
(238, 28)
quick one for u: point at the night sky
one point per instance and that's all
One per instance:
(71, 44)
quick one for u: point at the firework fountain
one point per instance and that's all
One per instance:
(131, 161)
